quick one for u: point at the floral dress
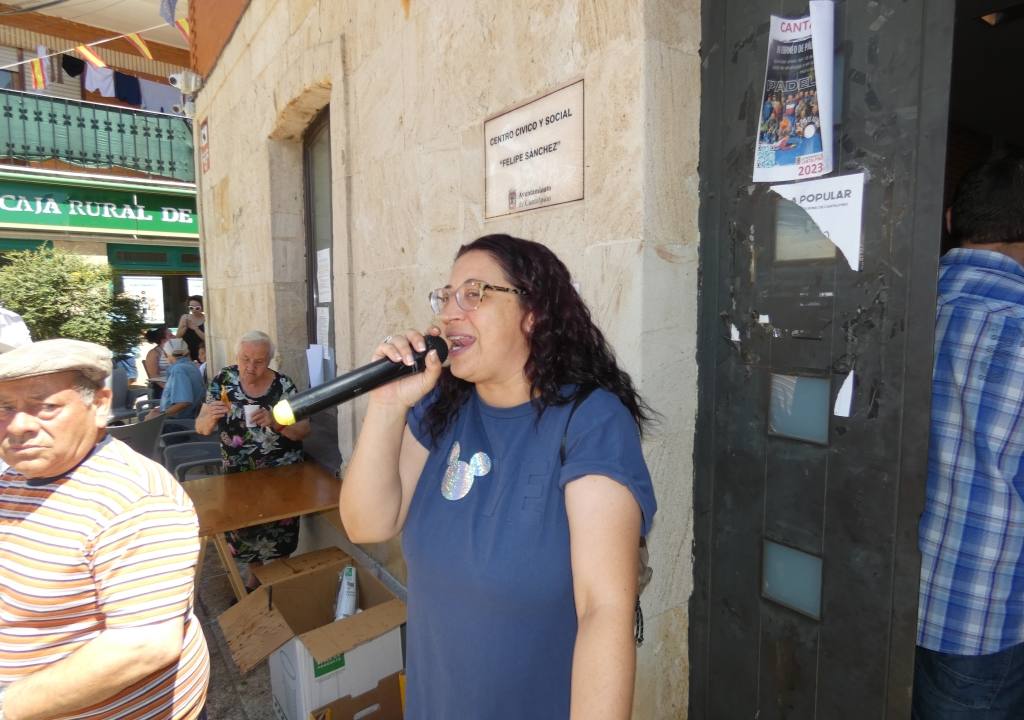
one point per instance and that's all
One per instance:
(251, 448)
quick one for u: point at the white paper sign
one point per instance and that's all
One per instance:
(794, 126)
(323, 326)
(844, 400)
(149, 289)
(194, 285)
(323, 275)
(315, 365)
(330, 368)
(534, 154)
(835, 205)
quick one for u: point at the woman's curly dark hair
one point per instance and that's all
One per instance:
(566, 347)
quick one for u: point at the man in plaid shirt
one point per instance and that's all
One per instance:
(970, 639)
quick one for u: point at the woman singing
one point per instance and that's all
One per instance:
(517, 481)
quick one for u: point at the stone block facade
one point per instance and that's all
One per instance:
(408, 87)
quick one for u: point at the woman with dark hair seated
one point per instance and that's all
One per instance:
(517, 481)
(155, 361)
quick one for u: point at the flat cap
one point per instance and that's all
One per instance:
(53, 356)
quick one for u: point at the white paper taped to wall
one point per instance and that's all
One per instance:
(323, 326)
(844, 400)
(323, 275)
(315, 365)
(835, 205)
(794, 131)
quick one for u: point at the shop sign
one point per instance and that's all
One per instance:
(534, 154)
(44, 206)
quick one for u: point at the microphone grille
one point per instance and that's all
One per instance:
(435, 343)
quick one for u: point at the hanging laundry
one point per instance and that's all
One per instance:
(126, 88)
(159, 97)
(72, 65)
(99, 80)
(167, 8)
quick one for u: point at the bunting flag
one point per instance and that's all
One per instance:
(90, 56)
(140, 45)
(43, 55)
(185, 29)
(38, 74)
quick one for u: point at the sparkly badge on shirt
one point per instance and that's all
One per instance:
(459, 476)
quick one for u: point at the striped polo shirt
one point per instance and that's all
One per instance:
(112, 544)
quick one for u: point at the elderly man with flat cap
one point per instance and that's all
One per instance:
(98, 549)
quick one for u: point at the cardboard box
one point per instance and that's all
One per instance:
(313, 658)
(283, 568)
(384, 702)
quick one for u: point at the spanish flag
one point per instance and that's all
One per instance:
(185, 29)
(90, 56)
(140, 45)
(38, 73)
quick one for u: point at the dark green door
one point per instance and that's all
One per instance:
(806, 564)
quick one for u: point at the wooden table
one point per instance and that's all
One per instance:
(240, 500)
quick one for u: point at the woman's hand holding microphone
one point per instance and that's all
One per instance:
(407, 391)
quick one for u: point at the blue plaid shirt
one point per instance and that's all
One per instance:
(971, 534)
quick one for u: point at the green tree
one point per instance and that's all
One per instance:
(60, 295)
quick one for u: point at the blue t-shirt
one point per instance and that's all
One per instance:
(492, 619)
(184, 384)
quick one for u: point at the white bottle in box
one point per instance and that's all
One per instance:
(346, 603)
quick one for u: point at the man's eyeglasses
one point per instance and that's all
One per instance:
(468, 295)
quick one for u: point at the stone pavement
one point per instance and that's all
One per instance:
(232, 696)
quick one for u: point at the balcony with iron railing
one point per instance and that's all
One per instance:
(37, 130)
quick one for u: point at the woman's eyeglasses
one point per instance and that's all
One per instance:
(195, 307)
(468, 295)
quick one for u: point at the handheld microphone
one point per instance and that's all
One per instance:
(354, 383)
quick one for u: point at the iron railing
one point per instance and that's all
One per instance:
(36, 127)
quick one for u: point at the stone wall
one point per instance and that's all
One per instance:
(408, 92)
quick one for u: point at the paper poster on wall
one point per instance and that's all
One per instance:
(835, 205)
(794, 134)
(149, 289)
(315, 365)
(194, 285)
(844, 399)
(533, 155)
(323, 275)
(323, 326)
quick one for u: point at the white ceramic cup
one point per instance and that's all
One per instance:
(249, 411)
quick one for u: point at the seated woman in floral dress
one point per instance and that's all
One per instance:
(251, 439)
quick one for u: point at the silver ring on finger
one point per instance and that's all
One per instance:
(387, 339)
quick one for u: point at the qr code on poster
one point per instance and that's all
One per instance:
(765, 156)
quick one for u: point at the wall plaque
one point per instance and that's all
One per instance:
(534, 154)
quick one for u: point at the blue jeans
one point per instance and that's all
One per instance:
(974, 687)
